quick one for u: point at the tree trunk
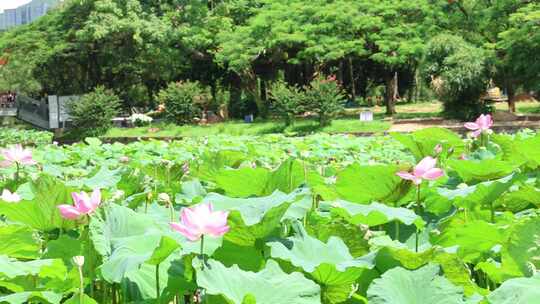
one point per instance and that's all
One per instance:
(353, 83)
(263, 90)
(417, 86)
(391, 96)
(251, 84)
(340, 72)
(510, 91)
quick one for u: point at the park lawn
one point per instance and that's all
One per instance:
(348, 124)
(301, 127)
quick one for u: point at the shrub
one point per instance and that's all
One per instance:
(140, 120)
(457, 71)
(183, 101)
(92, 114)
(286, 101)
(325, 97)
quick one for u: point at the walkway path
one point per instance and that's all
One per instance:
(458, 126)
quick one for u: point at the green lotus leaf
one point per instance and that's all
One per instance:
(423, 285)
(290, 175)
(518, 200)
(174, 275)
(165, 248)
(373, 214)
(324, 227)
(243, 182)
(252, 219)
(76, 299)
(65, 247)
(474, 171)
(453, 267)
(520, 253)
(103, 179)
(41, 212)
(481, 194)
(517, 291)
(365, 184)
(328, 263)
(269, 286)
(422, 142)
(126, 239)
(19, 242)
(474, 239)
(30, 296)
(11, 268)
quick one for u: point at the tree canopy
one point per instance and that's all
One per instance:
(138, 47)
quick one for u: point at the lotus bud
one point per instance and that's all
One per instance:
(336, 205)
(462, 186)
(185, 168)
(438, 149)
(164, 197)
(118, 195)
(124, 159)
(78, 260)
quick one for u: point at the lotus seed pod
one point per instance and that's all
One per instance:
(78, 260)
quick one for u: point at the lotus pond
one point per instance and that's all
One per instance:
(420, 218)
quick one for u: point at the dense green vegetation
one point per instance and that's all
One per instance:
(237, 49)
(314, 220)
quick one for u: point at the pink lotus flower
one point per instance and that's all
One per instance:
(424, 170)
(83, 204)
(9, 197)
(201, 220)
(482, 124)
(16, 155)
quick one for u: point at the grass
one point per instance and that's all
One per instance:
(348, 124)
(258, 128)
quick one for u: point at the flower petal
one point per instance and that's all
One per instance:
(406, 175)
(69, 212)
(189, 233)
(218, 231)
(6, 163)
(476, 133)
(82, 202)
(95, 199)
(471, 126)
(424, 165)
(9, 197)
(433, 174)
(484, 121)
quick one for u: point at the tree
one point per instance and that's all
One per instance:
(520, 46)
(458, 71)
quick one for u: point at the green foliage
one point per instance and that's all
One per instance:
(9, 136)
(520, 43)
(458, 71)
(325, 98)
(287, 101)
(321, 219)
(92, 114)
(270, 285)
(183, 101)
(403, 286)
(17, 76)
